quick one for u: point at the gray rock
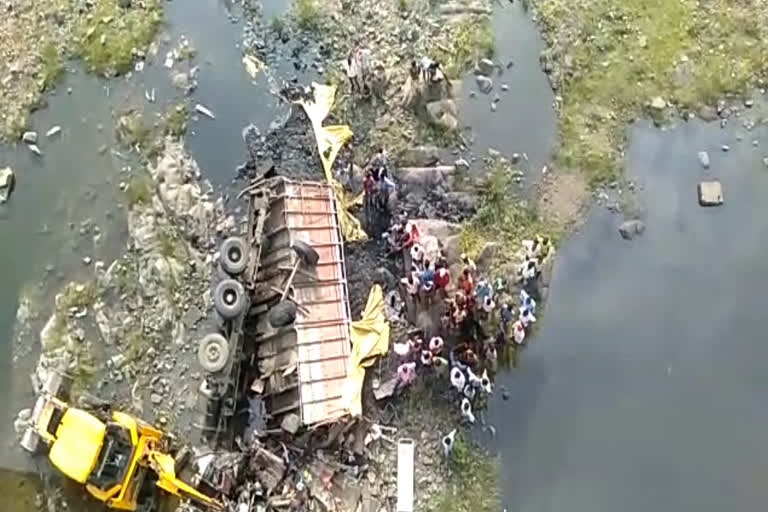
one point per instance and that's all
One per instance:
(484, 83)
(180, 81)
(29, 137)
(658, 103)
(494, 153)
(156, 398)
(461, 164)
(765, 161)
(443, 113)
(725, 147)
(707, 113)
(486, 66)
(385, 278)
(291, 423)
(487, 254)
(703, 159)
(631, 228)
(7, 184)
(419, 156)
(710, 193)
(55, 130)
(504, 87)
(36, 150)
(440, 229)
(749, 103)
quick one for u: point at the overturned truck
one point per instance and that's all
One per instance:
(282, 358)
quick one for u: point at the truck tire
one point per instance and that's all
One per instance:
(282, 314)
(306, 252)
(229, 299)
(234, 255)
(213, 352)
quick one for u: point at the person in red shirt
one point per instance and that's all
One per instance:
(442, 279)
(368, 184)
(467, 283)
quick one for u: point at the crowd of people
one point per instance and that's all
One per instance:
(479, 316)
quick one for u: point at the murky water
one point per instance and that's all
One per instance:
(643, 387)
(524, 120)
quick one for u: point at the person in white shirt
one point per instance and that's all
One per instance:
(353, 72)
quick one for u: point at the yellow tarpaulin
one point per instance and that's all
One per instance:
(330, 139)
(370, 339)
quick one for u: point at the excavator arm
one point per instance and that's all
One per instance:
(165, 467)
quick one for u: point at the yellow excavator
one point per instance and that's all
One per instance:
(119, 461)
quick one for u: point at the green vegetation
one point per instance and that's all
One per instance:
(52, 66)
(170, 245)
(176, 121)
(74, 296)
(140, 190)
(617, 56)
(402, 5)
(132, 130)
(470, 40)
(135, 344)
(109, 35)
(502, 217)
(308, 14)
(474, 482)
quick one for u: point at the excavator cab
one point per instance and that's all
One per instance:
(122, 462)
(121, 477)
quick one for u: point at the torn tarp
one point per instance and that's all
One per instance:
(370, 339)
(330, 139)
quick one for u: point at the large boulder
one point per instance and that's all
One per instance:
(487, 254)
(443, 113)
(419, 156)
(424, 179)
(440, 229)
(7, 184)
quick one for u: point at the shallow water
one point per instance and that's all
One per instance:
(524, 121)
(642, 389)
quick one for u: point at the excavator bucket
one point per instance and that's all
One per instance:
(165, 467)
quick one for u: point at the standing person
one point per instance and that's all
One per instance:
(433, 70)
(467, 283)
(468, 263)
(353, 72)
(442, 279)
(426, 64)
(414, 71)
(363, 56)
(412, 285)
(368, 185)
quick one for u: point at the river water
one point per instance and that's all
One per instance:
(642, 389)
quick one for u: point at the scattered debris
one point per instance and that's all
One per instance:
(205, 111)
(703, 159)
(710, 193)
(7, 184)
(29, 137)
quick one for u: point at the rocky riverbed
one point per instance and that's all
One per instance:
(128, 334)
